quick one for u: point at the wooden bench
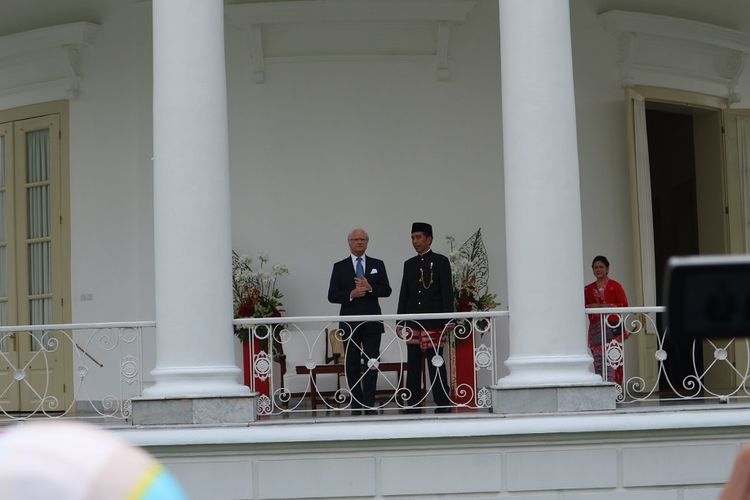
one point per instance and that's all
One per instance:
(338, 369)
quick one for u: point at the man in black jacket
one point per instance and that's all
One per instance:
(426, 287)
(356, 283)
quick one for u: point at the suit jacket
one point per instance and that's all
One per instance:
(427, 287)
(342, 284)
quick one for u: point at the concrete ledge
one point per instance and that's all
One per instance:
(194, 411)
(684, 454)
(557, 399)
(680, 423)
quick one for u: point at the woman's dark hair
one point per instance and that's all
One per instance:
(602, 259)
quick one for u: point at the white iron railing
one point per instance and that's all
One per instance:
(302, 369)
(106, 364)
(680, 369)
(291, 372)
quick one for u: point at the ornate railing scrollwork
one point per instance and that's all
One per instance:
(684, 369)
(106, 370)
(315, 384)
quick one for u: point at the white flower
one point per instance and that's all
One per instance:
(278, 270)
(256, 280)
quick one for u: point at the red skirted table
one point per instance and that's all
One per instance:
(257, 374)
(463, 379)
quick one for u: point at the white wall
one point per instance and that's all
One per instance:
(618, 470)
(600, 110)
(111, 201)
(743, 88)
(659, 455)
(316, 150)
(322, 147)
(111, 174)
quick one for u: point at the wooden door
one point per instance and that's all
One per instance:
(34, 367)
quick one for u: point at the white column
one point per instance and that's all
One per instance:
(194, 341)
(542, 198)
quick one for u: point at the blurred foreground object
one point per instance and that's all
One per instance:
(75, 461)
(708, 296)
(738, 486)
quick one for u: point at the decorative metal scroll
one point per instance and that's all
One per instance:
(686, 369)
(315, 384)
(107, 373)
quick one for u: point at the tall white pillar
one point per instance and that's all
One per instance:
(542, 198)
(194, 341)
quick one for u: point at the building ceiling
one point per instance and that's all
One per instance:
(24, 15)
(732, 14)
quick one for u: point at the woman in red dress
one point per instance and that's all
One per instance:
(605, 292)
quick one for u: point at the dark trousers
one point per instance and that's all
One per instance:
(361, 346)
(438, 376)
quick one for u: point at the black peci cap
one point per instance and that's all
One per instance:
(421, 227)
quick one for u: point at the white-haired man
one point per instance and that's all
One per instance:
(357, 282)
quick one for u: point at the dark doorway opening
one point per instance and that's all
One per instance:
(671, 155)
(671, 152)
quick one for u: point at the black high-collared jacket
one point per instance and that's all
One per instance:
(427, 287)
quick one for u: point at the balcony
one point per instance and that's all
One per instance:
(662, 367)
(82, 370)
(306, 427)
(302, 370)
(297, 366)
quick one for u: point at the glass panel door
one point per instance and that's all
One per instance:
(38, 238)
(9, 359)
(37, 220)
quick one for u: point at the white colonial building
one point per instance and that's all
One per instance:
(142, 141)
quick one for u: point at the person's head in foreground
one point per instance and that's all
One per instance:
(75, 461)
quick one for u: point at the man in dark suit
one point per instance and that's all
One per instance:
(356, 283)
(426, 287)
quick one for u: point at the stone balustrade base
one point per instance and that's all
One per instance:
(194, 411)
(554, 399)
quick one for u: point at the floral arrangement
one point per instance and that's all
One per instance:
(255, 293)
(470, 269)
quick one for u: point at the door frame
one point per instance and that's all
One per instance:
(641, 212)
(641, 197)
(60, 109)
(738, 196)
(738, 184)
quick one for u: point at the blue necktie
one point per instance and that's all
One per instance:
(360, 270)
